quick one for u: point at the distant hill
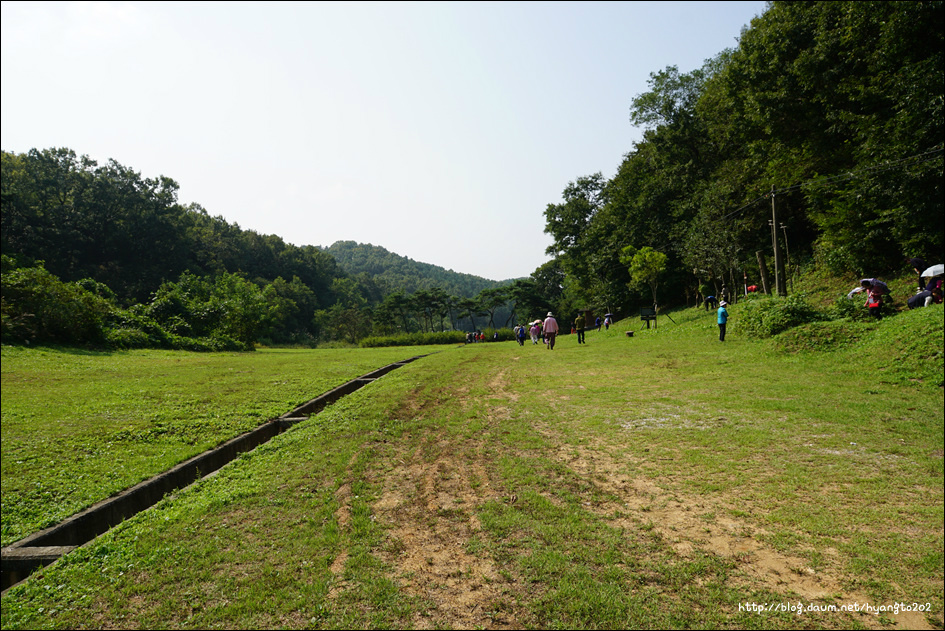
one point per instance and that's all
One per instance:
(395, 272)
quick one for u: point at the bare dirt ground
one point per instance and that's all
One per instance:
(430, 497)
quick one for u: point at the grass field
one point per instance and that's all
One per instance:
(79, 426)
(662, 481)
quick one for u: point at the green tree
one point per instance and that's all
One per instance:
(243, 308)
(292, 307)
(394, 311)
(854, 89)
(549, 279)
(672, 98)
(471, 308)
(645, 266)
(423, 304)
(491, 300)
(348, 318)
(441, 305)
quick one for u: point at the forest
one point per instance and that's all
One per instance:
(830, 112)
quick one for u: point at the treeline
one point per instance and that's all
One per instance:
(834, 109)
(144, 270)
(227, 312)
(110, 224)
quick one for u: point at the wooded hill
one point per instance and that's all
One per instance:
(98, 254)
(400, 273)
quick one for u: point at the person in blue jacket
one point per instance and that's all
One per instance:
(723, 319)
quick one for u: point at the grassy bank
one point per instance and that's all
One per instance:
(664, 480)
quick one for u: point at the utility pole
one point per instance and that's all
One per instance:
(787, 256)
(778, 263)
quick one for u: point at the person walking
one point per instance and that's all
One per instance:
(723, 319)
(579, 325)
(550, 329)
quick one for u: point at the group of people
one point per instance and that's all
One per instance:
(545, 330)
(928, 292)
(478, 336)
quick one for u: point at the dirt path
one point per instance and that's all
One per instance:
(432, 490)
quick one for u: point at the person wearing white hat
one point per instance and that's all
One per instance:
(550, 329)
(723, 320)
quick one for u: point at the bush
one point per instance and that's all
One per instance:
(136, 331)
(853, 309)
(38, 307)
(124, 338)
(132, 328)
(772, 315)
(415, 339)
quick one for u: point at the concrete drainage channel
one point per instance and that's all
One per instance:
(44, 547)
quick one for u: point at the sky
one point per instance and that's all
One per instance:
(440, 131)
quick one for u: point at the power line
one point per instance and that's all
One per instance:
(916, 159)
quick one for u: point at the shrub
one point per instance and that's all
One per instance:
(124, 338)
(132, 328)
(848, 309)
(38, 307)
(220, 342)
(853, 309)
(772, 315)
(415, 339)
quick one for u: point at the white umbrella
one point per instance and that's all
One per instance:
(935, 270)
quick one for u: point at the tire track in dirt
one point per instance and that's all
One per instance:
(428, 503)
(343, 518)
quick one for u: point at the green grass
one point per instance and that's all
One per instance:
(664, 480)
(79, 426)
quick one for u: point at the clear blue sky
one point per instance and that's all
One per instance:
(440, 131)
